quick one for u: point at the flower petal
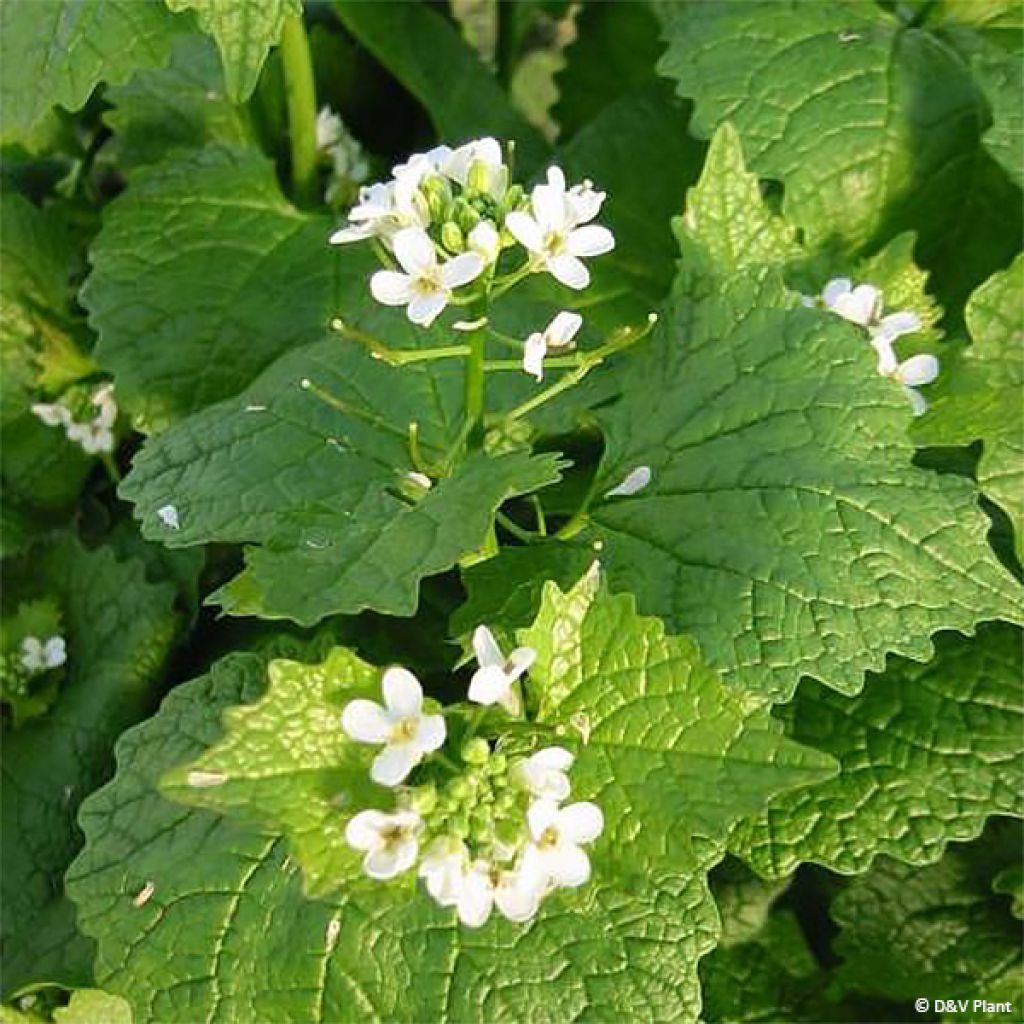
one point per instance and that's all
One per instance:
(485, 241)
(918, 370)
(366, 721)
(549, 208)
(836, 287)
(414, 251)
(918, 403)
(390, 860)
(568, 866)
(887, 361)
(424, 309)
(486, 648)
(534, 351)
(591, 240)
(476, 898)
(569, 270)
(462, 269)
(555, 758)
(519, 661)
(393, 764)
(489, 685)
(516, 898)
(563, 328)
(636, 480)
(525, 230)
(895, 325)
(431, 733)
(351, 233)
(391, 288)
(363, 831)
(403, 694)
(582, 822)
(539, 815)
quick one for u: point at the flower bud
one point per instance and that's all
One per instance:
(479, 177)
(466, 216)
(451, 237)
(497, 765)
(460, 788)
(513, 198)
(476, 750)
(423, 799)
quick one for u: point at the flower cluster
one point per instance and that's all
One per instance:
(494, 831)
(94, 434)
(41, 655)
(444, 218)
(862, 304)
(336, 145)
(33, 651)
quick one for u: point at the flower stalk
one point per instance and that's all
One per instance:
(300, 97)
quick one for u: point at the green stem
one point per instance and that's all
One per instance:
(515, 529)
(503, 284)
(397, 356)
(553, 362)
(300, 95)
(111, 467)
(475, 383)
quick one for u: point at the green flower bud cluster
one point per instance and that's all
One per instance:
(483, 805)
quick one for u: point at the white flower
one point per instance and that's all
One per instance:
(516, 893)
(893, 326)
(585, 201)
(911, 373)
(492, 682)
(558, 334)
(407, 734)
(52, 414)
(485, 241)
(479, 163)
(38, 656)
(861, 304)
(443, 867)
(391, 841)
(168, 515)
(557, 833)
(551, 232)
(544, 773)
(329, 129)
(636, 480)
(426, 286)
(383, 209)
(422, 165)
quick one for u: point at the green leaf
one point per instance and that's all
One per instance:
(318, 564)
(665, 746)
(627, 942)
(182, 106)
(979, 395)
(936, 929)
(91, 1006)
(926, 754)
(614, 53)
(42, 469)
(426, 54)
(319, 478)
(285, 762)
(58, 51)
(244, 33)
(784, 525)
(202, 274)
(119, 630)
(763, 969)
(786, 74)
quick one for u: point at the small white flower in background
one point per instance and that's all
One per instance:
(40, 655)
(168, 515)
(442, 869)
(94, 436)
(329, 129)
(52, 414)
(558, 334)
(863, 305)
(911, 373)
(544, 773)
(485, 241)
(557, 834)
(636, 480)
(390, 841)
(552, 231)
(406, 733)
(516, 894)
(426, 286)
(492, 682)
(349, 166)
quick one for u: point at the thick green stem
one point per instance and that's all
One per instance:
(300, 94)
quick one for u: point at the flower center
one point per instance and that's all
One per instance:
(554, 243)
(404, 729)
(548, 838)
